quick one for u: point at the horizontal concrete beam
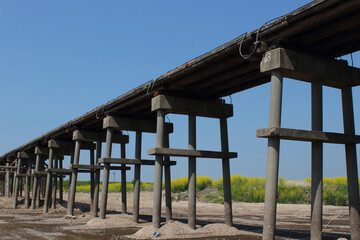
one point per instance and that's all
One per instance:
(190, 153)
(303, 67)
(59, 170)
(8, 167)
(305, 135)
(24, 155)
(39, 172)
(78, 166)
(134, 124)
(120, 168)
(92, 136)
(131, 161)
(170, 104)
(24, 175)
(42, 151)
(70, 145)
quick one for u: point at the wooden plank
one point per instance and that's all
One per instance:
(333, 73)
(130, 161)
(93, 136)
(134, 124)
(191, 153)
(81, 166)
(70, 145)
(40, 172)
(204, 108)
(305, 135)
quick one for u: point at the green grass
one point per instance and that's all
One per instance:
(245, 189)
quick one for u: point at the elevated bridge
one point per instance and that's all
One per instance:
(303, 45)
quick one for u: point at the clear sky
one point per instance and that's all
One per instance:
(60, 59)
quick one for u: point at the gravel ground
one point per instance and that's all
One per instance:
(293, 221)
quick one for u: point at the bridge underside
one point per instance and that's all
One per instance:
(301, 45)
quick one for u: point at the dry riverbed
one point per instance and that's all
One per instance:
(293, 221)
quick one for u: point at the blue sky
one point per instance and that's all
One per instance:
(60, 59)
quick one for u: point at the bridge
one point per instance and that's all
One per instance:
(303, 45)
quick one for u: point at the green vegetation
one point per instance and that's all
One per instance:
(181, 184)
(335, 191)
(84, 186)
(245, 189)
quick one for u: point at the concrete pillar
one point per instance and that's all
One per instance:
(351, 163)
(16, 183)
(70, 176)
(36, 182)
(13, 184)
(123, 180)
(3, 187)
(316, 162)
(160, 124)
(226, 172)
(92, 180)
(70, 207)
(8, 187)
(48, 181)
(38, 194)
(192, 174)
(97, 181)
(61, 183)
(106, 172)
(54, 185)
(272, 167)
(137, 171)
(41, 180)
(27, 184)
(167, 181)
(21, 185)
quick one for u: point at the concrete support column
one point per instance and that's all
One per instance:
(40, 183)
(167, 180)
(36, 182)
(54, 185)
(97, 181)
(48, 181)
(272, 167)
(351, 163)
(192, 174)
(226, 172)
(137, 171)
(21, 185)
(16, 183)
(7, 177)
(27, 184)
(316, 162)
(106, 172)
(160, 125)
(70, 207)
(61, 183)
(92, 180)
(123, 180)
(3, 187)
(21, 178)
(13, 183)
(70, 177)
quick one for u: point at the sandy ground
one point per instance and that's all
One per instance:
(293, 221)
